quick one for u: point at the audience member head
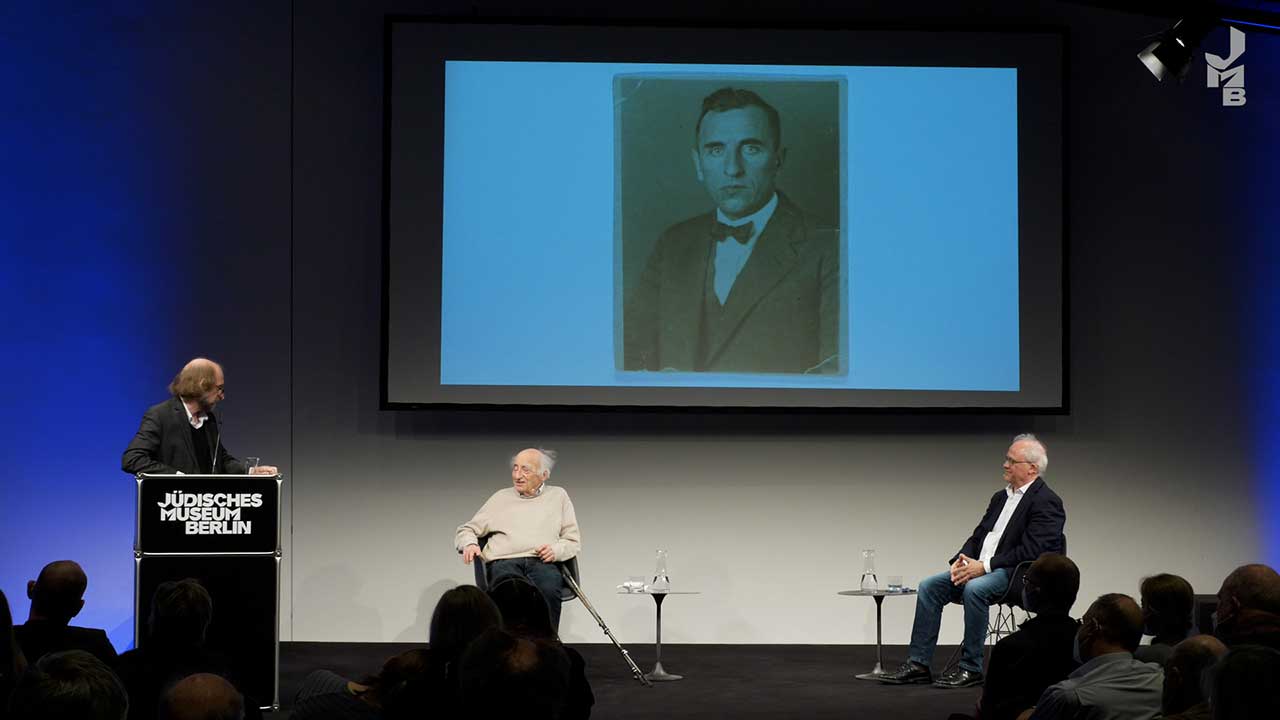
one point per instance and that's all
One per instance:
(71, 685)
(1112, 624)
(58, 593)
(524, 608)
(1184, 670)
(1255, 588)
(181, 611)
(1050, 585)
(401, 688)
(512, 676)
(461, 614)
(12, 663)
(1242, 685)
(1167, 602)
(202, 697)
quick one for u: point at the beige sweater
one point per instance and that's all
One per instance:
(517, 525)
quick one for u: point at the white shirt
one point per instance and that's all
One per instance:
(992, 540)
(731, 255)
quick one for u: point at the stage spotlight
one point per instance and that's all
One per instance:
(1170, 54)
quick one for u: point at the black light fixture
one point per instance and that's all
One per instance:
(1170, 54)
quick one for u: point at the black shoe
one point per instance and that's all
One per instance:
(959, 678)
(909, 673)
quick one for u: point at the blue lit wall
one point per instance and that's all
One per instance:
(111, 210)
(1257, 187)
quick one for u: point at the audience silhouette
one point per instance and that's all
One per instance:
(498, 655)
(57, 596)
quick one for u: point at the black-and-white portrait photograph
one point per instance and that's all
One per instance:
(729, 237)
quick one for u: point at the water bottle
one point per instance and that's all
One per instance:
(661, 583)
(869, 570)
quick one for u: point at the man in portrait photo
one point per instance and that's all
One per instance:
(753, 284)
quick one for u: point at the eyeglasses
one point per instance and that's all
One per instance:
(1010, 461)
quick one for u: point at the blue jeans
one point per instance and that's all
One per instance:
(977, 596)
(545, 576)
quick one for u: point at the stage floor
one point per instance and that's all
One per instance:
(729, 681)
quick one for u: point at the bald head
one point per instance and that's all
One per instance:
(1252, 587)
(202, 697)
(1183, 671)
(57, 594)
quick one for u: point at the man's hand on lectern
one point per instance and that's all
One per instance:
(264, 470)
(546, 553)
(470, 552)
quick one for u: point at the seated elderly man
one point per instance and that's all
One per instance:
(1023, 521)
(529, 526)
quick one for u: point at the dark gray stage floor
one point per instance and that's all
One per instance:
(721, 681)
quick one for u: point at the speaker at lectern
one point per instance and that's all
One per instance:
(224, 531)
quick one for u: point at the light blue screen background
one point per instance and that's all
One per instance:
(931, 245)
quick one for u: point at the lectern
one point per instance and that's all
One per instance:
(224, 531)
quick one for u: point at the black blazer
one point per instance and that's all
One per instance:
(163, 444)
(1034, 529)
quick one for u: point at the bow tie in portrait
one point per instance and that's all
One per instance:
(741, 233)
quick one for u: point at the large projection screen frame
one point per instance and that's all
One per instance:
(1037, 53)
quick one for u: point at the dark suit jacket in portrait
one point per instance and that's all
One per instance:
(164, 445)
(38, 638)
(782, 314)
(1035, 528)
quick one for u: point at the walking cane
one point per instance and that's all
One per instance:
(600, 621)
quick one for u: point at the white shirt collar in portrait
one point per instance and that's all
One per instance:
(732, 256)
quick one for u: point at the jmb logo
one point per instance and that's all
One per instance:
(1221, 74)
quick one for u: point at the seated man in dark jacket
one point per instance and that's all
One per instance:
(1040, 653)
(57, 596)
(1023, 521)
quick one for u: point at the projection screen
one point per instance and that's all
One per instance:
(720, 217)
